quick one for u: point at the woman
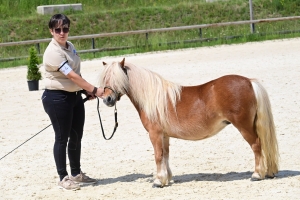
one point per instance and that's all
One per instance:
(63, 103)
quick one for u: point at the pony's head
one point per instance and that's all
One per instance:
(147, 90)
(114, 80)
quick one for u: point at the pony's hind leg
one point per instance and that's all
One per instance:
(251, 137)
(259, 170)
(259, 132)
(161, 150)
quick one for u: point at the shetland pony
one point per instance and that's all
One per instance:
(196, 112)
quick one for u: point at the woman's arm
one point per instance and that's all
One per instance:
(78, 80)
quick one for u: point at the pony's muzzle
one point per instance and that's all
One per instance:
(109, 101)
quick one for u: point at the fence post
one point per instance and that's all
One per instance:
(200, 32)
(147, 36)
(252, 27)
(38, 48)
(93, 45)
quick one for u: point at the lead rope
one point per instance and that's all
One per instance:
(25, 142)
(116, 121)
(84, 100)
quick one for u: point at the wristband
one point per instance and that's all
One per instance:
(94, 90)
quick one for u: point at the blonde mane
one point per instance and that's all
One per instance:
(148, 89)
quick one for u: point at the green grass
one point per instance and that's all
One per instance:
(19, 22)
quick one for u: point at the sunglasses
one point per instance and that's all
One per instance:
(58, 30)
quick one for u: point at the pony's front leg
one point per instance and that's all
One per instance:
(166, 155)
(161, 151)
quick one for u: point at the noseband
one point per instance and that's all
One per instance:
(118, 95)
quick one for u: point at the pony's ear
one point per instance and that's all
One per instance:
(104, 64)
(122, 63)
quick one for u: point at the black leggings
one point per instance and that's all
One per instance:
(67, 114)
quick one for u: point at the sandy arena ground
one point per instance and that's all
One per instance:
(216, 168)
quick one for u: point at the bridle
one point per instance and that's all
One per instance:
(118, 94)
(116, 118)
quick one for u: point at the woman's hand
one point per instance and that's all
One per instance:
(90, 95)
(99, 92)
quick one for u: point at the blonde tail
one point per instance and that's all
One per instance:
(265, 129)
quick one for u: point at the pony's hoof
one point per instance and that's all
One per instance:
(157, 186)
(256, 177)
(270, 176)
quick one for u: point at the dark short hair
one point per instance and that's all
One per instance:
(58, 19)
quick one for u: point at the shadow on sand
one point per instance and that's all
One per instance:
(231, 176)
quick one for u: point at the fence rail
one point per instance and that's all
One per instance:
(147, 31)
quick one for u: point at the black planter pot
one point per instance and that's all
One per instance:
(33, 85)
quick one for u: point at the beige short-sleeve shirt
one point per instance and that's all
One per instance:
(53, 57)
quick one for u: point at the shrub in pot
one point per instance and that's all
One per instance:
(33, 73)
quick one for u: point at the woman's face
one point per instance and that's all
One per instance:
(60, 34)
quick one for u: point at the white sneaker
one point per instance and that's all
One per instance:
(83, 179)
(68, 184)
